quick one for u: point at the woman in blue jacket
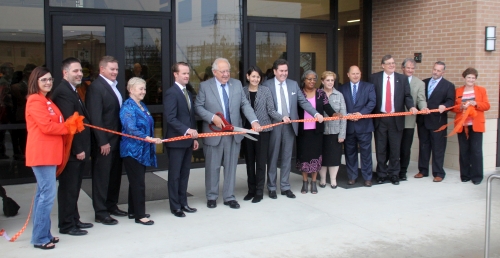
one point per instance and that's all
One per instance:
(137, 121)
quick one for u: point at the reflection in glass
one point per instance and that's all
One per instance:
(87, 43)
(350, 40)
(158, 132)
(134, 5)
(22, 45)
(203, 38)
(269, 47)
(313, 54)
(143, 59)
(295, 9)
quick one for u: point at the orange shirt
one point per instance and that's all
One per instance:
(45, 125)
(482, 104)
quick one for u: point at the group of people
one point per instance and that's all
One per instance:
(260, 103)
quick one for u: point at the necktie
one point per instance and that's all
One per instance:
(354, 92)
(79, 100)
(388, 97)
(226, 103)
(187, 98)
(432, 86)
(284, 107)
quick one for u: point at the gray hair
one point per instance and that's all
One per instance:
(214, 65)
(306, 73)
(135, 81)
(441, 63)
(408, 60)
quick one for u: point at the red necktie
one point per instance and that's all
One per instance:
(388, 99)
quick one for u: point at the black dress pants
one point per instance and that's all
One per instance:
(70, 182)
(471, 155)
(106, 180)
(136, 187)
(387, 137)
(431, 143)
(179, 167)
(256, 160)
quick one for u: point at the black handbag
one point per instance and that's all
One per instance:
(10, 207)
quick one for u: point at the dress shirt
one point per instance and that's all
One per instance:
(409, 78)
(278, 95)
(182, 89)
(113, 86)
(384, 87)
(219, 88)
(435, 85)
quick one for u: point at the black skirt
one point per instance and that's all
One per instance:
(309, 150)
(332, 150)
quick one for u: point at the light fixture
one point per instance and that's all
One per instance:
(351, 21)
(490, 38)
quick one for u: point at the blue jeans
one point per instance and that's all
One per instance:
(44, 200)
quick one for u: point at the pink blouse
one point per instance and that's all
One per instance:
(310, 125)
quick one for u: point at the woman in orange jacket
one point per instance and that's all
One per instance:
(44, 151)
(470, 103)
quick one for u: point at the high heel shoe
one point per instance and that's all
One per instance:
(305, 184)
(314, 189)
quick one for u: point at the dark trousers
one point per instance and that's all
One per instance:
(179, 166)
(256, 160)
(434, 143)
(18, 137)
(387, 137)
(351, 155)
(136, 187)
(106, 180)
(70, 182)
(406, 142)
(471, 155)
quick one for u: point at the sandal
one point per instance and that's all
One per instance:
(46, 246)
(314, 190)
(304, 187)
(54, 240)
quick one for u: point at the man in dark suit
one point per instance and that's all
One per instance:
(360, 99)
(287, 96)
(393, 94)
(179, 110)
(68, 101)
(103, 102)
(440, 94)
(225, 95)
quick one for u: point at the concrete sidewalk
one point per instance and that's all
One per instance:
(418, 218)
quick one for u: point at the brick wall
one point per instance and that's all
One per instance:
(452, 31)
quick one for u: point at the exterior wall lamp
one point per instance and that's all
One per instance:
(489, 44)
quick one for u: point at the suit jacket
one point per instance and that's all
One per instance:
(295, 98)
(44, 122)
(417, 88)
(179, 117)
(482, 104)
(208, 102)
(322, 106)
(68, 101)
(443, 94)
(104, 110)
(135, 122)
(263, 107)
(365, 102)
(402, 96)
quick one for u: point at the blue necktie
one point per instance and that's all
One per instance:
(226, 102)
(431, 88)
(354, 91)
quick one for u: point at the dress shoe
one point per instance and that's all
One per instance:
(211, 204)
(466, 180)
(232, 204)
(147, 223)
(334, 186)
(107, 221)
(403, 177)
(368, 183)
(84, 225)
(437, 179)
(248, 197)
(351, 182)
(322, 185)
(188, 209)
(177, 213)
(288, 194)
(257, 198)
(381, 180)
(132, 216)
(119, 213)
(419, 175)
(272, 195)
(74, 232)
(395, 180)
(476, 182)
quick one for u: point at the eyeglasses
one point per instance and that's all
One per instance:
(391, 63)
(225, 71)
(45, 80)
(311, 79)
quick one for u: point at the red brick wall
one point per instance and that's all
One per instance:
(452, 31)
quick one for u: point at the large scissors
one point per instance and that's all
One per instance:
(230, 128)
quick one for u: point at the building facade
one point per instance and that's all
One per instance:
(147, 37)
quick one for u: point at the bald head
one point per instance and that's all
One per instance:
(354, 74)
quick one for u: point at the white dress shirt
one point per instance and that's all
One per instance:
(278, 95)
(113, 86)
